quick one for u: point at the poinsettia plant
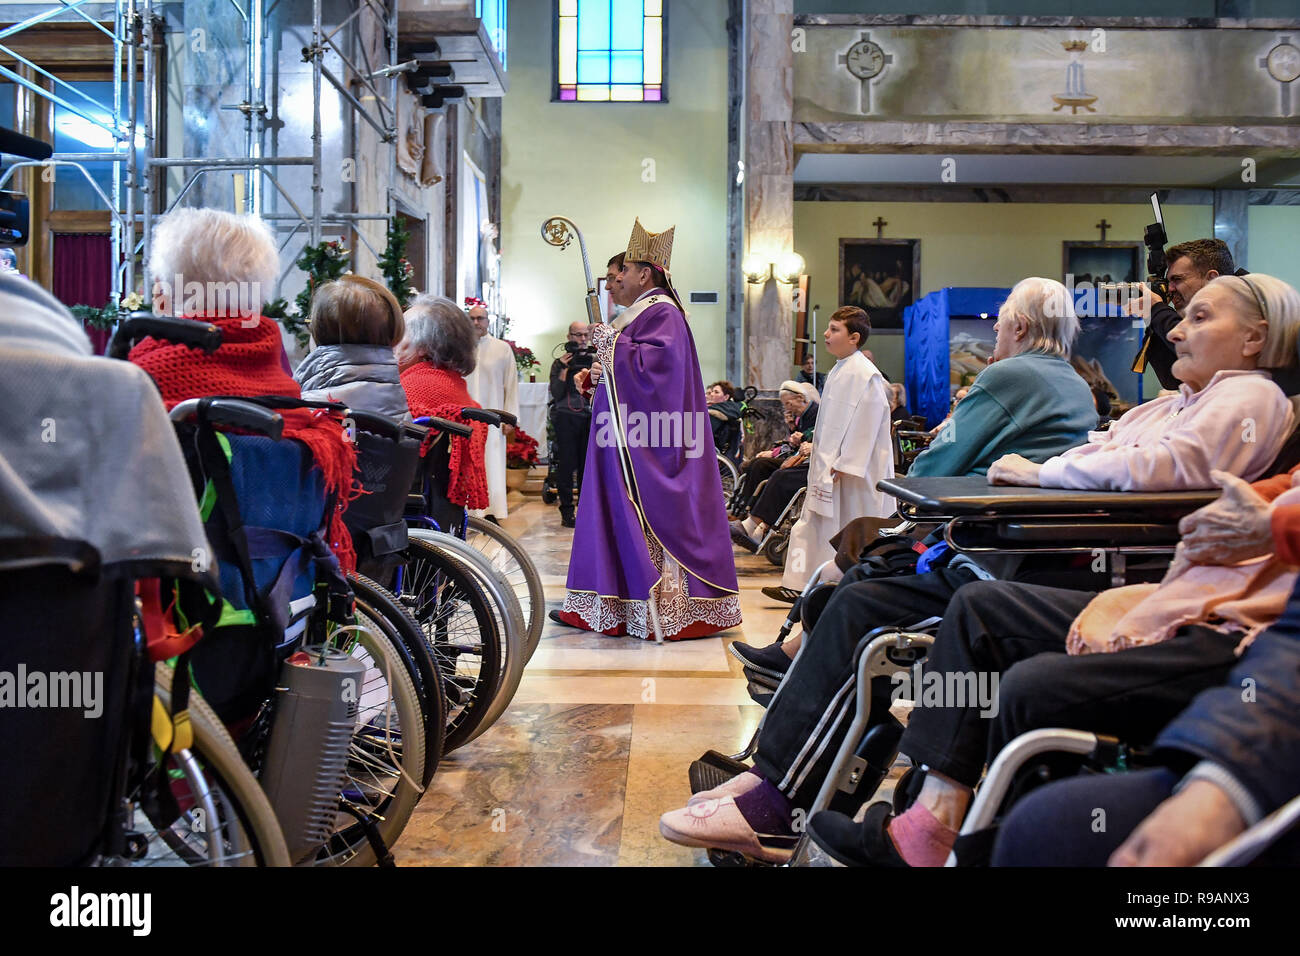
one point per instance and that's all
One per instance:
(521, 452)
(525, 360)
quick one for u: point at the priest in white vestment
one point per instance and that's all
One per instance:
(494, 384)
(851, 450)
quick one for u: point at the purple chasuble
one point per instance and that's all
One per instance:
(651, 514)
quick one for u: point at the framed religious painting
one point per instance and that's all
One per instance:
(1102, 262)
(881, 276)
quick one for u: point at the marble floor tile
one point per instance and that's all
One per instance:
(599, 737)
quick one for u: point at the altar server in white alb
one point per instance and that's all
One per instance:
(494, 384)
(852, 450)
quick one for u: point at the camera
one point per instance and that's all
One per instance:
(15, 212)
(583, 355)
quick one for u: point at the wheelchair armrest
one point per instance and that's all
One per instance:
(988, 800)
(481, 415)
(445, 426)
(231, 413)
(378, 424)
(505, 417)
(973, 534)
(201, 335)
(1112, 533)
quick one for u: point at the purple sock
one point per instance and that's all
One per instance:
(766, 809)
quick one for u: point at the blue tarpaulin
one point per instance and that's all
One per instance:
(925, 344)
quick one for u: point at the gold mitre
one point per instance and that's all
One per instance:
(653, 247)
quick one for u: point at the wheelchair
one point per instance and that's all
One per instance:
(326, 695)
(484, 673)
(151, 778)
(730, 455)
(1132, 534)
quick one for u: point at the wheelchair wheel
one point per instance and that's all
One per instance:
(384, 776)
(378, 607)
(455, 616)
(506, 614)
(730, 476)
(549, 495)
(225, 819)
(505, 554)
(777, 544)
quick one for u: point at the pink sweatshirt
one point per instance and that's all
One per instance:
(1237, 423)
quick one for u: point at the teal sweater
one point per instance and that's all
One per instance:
(1032, 404)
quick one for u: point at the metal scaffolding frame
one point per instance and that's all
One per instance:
(133, 38)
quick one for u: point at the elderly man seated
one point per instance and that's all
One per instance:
(1227, 761)
(1230, 334)
(1028, 400)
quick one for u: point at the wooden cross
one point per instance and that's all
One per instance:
(880, 225)
(1103, 226)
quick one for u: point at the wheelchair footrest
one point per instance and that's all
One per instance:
(713, 770)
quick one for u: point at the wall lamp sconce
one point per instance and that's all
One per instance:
(787, 268)
(756, 268)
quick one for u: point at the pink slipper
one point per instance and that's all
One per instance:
(740, 783)
(719, 825)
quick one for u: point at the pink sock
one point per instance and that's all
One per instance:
(921, 839)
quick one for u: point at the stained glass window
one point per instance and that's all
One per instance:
(610, 51)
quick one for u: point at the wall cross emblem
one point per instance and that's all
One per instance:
(865, 60)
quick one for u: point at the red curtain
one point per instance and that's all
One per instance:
(83, 275)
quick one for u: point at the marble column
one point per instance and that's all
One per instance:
(1231, 211)
(769, 186)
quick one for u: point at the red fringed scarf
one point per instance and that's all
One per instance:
(249, 362)
(440, 393)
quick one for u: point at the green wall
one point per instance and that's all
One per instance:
(969, 244)
(585, 161)
(1272, 237)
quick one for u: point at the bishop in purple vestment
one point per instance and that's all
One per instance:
(651, 544)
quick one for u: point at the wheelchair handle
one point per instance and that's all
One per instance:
(484, 415)
(139, 325)
(445, 426)
(506, 417)
(232, 413)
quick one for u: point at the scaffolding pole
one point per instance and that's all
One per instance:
(134, 34)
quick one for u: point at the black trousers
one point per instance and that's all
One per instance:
(1017, 631)
(781, 487)
(751, 476)
(811, 712)
(571, 431)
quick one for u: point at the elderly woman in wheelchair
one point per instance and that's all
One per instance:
(799, 404)
(1176, 442)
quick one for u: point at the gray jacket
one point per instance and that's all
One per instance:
(361, 376)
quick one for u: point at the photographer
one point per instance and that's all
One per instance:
(570, 415)
(1191, 265)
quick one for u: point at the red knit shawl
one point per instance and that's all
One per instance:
(249, 363)
(441, 393)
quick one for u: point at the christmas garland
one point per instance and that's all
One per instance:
(323, 263)
(397, 270)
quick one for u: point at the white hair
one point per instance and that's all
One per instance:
(1048, 308)
(208, 245)
(440, 332)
